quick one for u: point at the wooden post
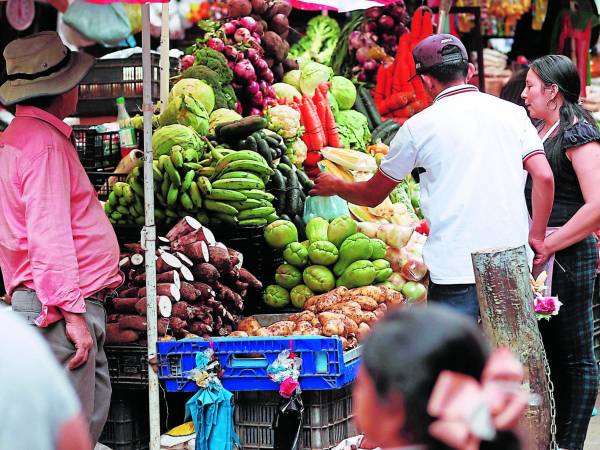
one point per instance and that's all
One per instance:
(505, 299)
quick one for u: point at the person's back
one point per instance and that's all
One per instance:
(471, 146)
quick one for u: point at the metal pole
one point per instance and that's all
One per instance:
(149, 232)
(165, 64)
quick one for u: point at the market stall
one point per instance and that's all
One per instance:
(246, 281)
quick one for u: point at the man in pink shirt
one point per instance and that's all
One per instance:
(58, 252)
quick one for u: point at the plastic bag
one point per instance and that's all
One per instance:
(288, 422)
(326, 207)
(107, 24)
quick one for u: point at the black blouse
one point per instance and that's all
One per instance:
(568, 198)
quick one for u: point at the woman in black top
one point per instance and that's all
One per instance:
(571, 142)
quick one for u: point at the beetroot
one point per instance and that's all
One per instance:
(239, 8)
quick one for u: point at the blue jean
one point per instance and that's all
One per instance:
(460, 297)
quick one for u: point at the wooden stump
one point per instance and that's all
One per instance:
(505, 299)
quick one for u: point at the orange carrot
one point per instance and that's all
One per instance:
(314, 136)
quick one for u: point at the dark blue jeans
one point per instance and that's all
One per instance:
(460, 297)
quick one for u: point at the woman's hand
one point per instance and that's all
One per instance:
(326, 185)
(542, 253)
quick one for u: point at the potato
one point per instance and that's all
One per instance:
(350, 326)
(304, 316)
(313, 332)
(377, 293)
(394, 298)
(381, 310)
(366, 303)
(334, 327)
(310, 303)
(303, 326)
(283, 328)
(328, 316)
(239, 334)
(249, 325)
(363, 331)
(368, 317)
(263, 332)
(330, 298)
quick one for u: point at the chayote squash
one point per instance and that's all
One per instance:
(324, 253)
(356, 247)
(359, 273)
(316, 229)
(341, 228)
(384, 270)
(379, 249)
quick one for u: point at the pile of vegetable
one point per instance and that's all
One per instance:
(200, 291)
(346, 313)
(334, 254)
(319, 42)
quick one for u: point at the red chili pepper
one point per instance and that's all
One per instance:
(423, 228)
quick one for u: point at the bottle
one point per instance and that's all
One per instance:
(127, 138)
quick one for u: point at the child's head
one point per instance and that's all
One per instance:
(402, 360)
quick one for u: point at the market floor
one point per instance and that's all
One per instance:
(593, 437)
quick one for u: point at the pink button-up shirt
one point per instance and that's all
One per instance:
(54, 235)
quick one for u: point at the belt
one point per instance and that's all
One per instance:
(101, 296)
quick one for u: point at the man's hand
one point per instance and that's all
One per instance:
(541, 254)
(79, 334)
(326, 185)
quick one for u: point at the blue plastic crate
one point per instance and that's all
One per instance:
(245, 360)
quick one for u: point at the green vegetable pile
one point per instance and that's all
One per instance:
(335, 254)
(319, 43)
(353, 128)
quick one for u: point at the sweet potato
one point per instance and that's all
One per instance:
(164, 306)
(177, 325)
(125, 305)
(134, 247)
(207, 273)
(350, 326)
(394, 298)
(249, 325)
(381, 310)
(195, 237)
(219, 257)
(131, 322)
(225, 330)
(199, 328)
(303, 326)
(115, 335)
(283, 328)
(164, 289)
(187, 262)
(129, 292)
(263, 332)
(162, 325)
(330, 298)
(229, 297)
(171, 277)
(377, 293)
(184, 226)
(182, 310)
(237, 259)
(113, 317)
(186, 274)
(167, 262)
(247, 277)
(125, 263)
(189, 293)
(368, 317)
(137, 259)
(197, 252)
(204, 291)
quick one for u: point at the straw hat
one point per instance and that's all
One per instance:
(41, 65)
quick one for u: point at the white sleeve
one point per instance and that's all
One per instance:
(531, 144)
(402, 158)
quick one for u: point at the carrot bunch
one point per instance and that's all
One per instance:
(320, 129)
(398, 93)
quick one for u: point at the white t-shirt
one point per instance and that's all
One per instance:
(472, 146)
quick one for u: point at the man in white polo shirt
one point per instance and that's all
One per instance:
(473, 148)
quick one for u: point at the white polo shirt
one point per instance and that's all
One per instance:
(472, 146)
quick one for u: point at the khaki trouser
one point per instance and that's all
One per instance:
(91, 381)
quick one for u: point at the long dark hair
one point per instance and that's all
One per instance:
(560, 70)
(406, 353)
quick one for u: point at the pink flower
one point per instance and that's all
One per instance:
(548, 306)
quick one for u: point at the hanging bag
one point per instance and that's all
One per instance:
(107, 24)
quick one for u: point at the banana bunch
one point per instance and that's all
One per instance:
(226, 187)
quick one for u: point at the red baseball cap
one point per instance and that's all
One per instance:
(438, 50)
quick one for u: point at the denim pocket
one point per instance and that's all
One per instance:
(451, 289)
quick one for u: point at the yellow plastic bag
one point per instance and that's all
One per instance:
(134, 12)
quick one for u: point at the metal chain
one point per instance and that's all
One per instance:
(553, 427)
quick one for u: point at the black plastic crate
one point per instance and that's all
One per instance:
(113, 78)
(104, 181)
(100, 150)
(127, 366)
(327, 418)
(127, 426)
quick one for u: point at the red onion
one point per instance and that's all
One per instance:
(362, 77)
(261, 65)
(253, 55)
(245, 71)
(255, 112)
(372, 13)
(229, 28)
(242, 35)
(216, 44)
(257, 99)
(256, 38)
(355, 40)
(386, 22)
(231, 52)
(362, 54)
(370, 65)
(187, 61)
(238, 108)
(263, 85)
(268, 76)
(253, 88)
(231, 64)
(370, 27)
(270, 92)
(249, 23)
